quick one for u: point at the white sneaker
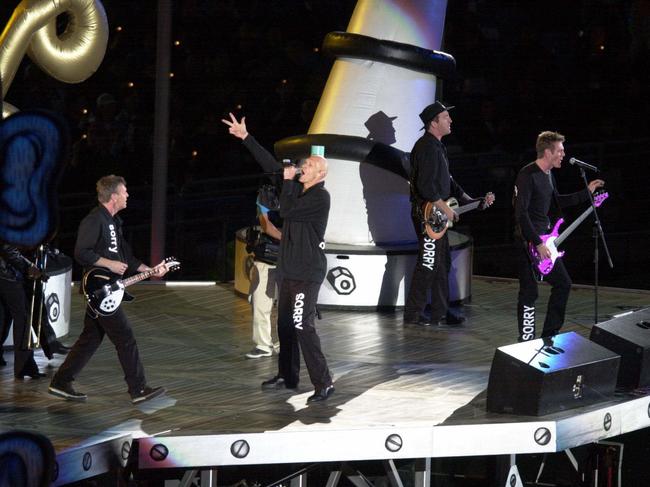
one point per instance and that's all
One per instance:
(258, 353)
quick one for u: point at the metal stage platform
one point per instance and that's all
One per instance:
(401, 391)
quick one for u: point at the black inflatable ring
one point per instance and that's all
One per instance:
(357, 46)
(345, 147)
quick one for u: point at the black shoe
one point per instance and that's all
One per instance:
(452, 320)
(277, 382)
(420, 320)
(146, 394)
(321, 394)
(34, 374)
(60, 348)
(65, 391)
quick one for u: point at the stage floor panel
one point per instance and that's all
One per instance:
(426, 383)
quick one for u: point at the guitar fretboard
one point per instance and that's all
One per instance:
(568, 230)
(598, 200)
(138, 277)
(468, 207)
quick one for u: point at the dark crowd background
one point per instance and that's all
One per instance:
(577, 67)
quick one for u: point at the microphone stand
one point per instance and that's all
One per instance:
(597, 232)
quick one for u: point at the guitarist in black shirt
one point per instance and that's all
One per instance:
(100, 243)
(535, 197)
(431, 182)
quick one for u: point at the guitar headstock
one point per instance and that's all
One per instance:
(171, 264)
(486, 201)
(599, 197)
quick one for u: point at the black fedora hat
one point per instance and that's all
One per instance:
(430, 112)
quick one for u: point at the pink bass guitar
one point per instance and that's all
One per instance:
(553, 240)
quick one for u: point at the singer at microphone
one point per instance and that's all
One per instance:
(584, 165)
(536, 202)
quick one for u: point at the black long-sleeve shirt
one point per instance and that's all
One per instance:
(535, 198)
(304, 214)
(302, 247)
(430, 177)
(263, 157)
(100, 235)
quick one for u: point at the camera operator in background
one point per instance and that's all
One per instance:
(265, 246)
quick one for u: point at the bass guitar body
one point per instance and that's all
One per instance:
(545, 266)
(554, 239)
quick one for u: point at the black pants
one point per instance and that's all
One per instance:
(47, 336)
(119, 332)
(14, 303)
(296, 314)
(561, 287)
(431, 272)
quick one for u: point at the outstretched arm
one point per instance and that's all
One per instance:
(263, 157)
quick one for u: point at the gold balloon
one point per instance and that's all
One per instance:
(8, 109)
(71, 57)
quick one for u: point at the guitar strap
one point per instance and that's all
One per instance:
(417, 202)
(92, 313)
(557, 209)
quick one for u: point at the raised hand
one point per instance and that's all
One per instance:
(238, 129)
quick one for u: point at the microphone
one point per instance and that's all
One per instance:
(287, 162)
(279, 172)
(584, 165)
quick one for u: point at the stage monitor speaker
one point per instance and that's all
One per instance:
(547, 375)
(628, 336)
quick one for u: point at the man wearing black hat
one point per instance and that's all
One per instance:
(431, 181)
